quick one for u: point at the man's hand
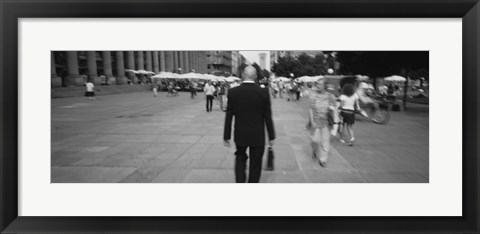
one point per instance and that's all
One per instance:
(226, 143)
(271, 143)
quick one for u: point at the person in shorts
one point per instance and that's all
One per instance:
(349, 105)
(89, 93)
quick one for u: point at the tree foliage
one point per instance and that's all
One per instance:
(414, 64)
(303, 65)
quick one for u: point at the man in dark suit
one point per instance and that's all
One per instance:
(251, 107)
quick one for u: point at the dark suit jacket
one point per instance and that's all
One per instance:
(251, 107)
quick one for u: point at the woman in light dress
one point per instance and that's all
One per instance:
(322, 112)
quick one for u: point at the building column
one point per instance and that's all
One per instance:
(175, 61)
(197, 62)
(203, 62)
(121, 79)
(107, 67)
(192, 60)
(162, 60)
(92, 68)
(155, 62)
(55, 80)
(181, 61)
(194, 55)
(168, 61)
(73, 75)
(131, 66)
(185, 62)
(148, 55)
(140, 65)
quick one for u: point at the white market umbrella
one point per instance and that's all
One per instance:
(203, 76)
(144, 72)
(232, 79)
(132, 71)
(395, 78)
(166, 75)
(284, 79)
(190, 75)
(362, 78)
(220, 78)
(306, 79)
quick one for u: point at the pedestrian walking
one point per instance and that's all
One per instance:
(322, 107)
(193, 89)
(155, 90)
(90, 90)
(281, 88)
(221, 95)
(296, 90)
(251, 107)
(288, 90)
(349, 105)
(275, 89)
(209, 90)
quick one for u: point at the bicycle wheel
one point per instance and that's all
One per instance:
(380, 116)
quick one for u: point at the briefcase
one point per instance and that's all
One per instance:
(270, 159)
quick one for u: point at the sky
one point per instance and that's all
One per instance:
(252, 56)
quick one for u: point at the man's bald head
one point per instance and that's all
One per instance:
(249, 73)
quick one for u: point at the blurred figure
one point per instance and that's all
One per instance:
(209, 90)
(250, 105)
(383, 90)
(364, 94)
(322, 107)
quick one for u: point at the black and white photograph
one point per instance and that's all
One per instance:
(229, 116)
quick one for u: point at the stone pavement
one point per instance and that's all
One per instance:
(137, 138)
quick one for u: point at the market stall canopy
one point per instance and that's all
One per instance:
(395, 78)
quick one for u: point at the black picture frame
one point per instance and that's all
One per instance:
(11, 11)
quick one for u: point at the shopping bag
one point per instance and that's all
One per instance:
(270, 158)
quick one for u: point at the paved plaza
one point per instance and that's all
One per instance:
(137, 138)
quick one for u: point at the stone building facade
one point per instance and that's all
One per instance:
(74, 68)
(220, 63)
